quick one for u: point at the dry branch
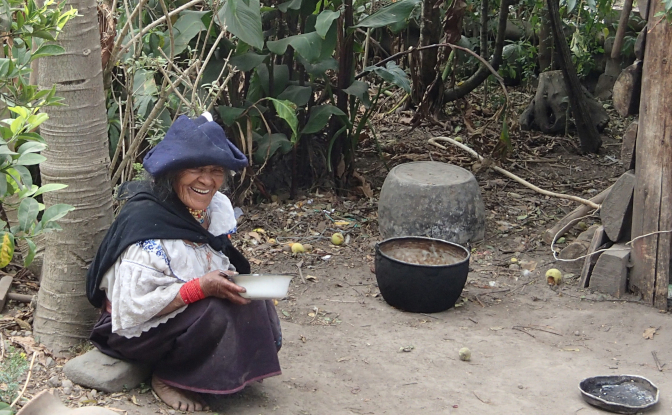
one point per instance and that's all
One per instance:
(511, 175)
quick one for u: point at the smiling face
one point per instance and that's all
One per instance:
(196, 187)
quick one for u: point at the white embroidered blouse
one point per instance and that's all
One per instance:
(149, 274)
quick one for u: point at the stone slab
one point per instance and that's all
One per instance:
(616, 210)
(610, 275)
(98, 371)
(599, 238)
(5, 285)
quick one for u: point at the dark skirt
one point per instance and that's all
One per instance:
(213, 346)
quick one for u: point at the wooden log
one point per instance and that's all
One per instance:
(650, 274)
(588, 134)
(610, 274)
(616, 210)
(5, 285)
(628, 145)
(589, 262)
(567, 222)
(627, 90)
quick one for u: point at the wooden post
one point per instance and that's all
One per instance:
(653, 168)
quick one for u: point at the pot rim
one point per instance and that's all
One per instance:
(378, 251)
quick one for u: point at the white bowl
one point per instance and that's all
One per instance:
(263, 286)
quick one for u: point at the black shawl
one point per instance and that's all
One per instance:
(146, 216)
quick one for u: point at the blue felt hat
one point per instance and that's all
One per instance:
(192, 143)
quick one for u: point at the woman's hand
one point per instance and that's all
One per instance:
(215, 284)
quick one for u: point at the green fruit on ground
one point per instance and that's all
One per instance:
(337, 238)
(553, 276)
(297, 248)
(465, 354)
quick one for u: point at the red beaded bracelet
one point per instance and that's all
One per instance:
(192, 291)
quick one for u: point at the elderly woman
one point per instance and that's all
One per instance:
(160, 276)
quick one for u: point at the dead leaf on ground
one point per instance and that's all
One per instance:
(27, 343)
(255, 235)
(648, 333)
(528, 265)
(311, 278)
(24, 325)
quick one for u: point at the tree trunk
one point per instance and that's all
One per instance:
(424, 68)
(620, 31)
(341, 156)
(77, 155)
(650, 274)
(451, 94)
(547, 112)
(545, 43)
(590, 138)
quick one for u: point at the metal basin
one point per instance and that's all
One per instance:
(421, 275)
(624, 394)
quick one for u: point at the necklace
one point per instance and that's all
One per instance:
(199, 215)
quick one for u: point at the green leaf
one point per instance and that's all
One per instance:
(5, 150)
(268, 145)
(571, 4)
(308, 45)
(291, 4)
(27, 213)
(319, 69)
(144, 90)
(324, 22)
(299, 95)
(30, 159)
(287, 111)
(5, 409)
(187, 27)
(319, 117)
(280, 79)
(247, 61)
(28, 260)
(49, 188)
(3, 184)
(243, 19)
(392, 74)
(6, 249)
(360, 90)
(229, 114)
(394, 13)
(31, 147)
(26, 178)
(47, 50)
(55, 212)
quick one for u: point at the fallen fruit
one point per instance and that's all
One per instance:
(465, 354)
(297, 248)
(337, 238)
(553, 276)
(514, 260)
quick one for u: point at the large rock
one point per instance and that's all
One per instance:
(104, 373)
(428, 198)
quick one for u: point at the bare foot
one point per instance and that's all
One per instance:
(177, 398)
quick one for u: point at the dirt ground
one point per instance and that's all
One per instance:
(346, 351)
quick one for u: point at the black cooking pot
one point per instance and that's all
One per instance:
(421, 275)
